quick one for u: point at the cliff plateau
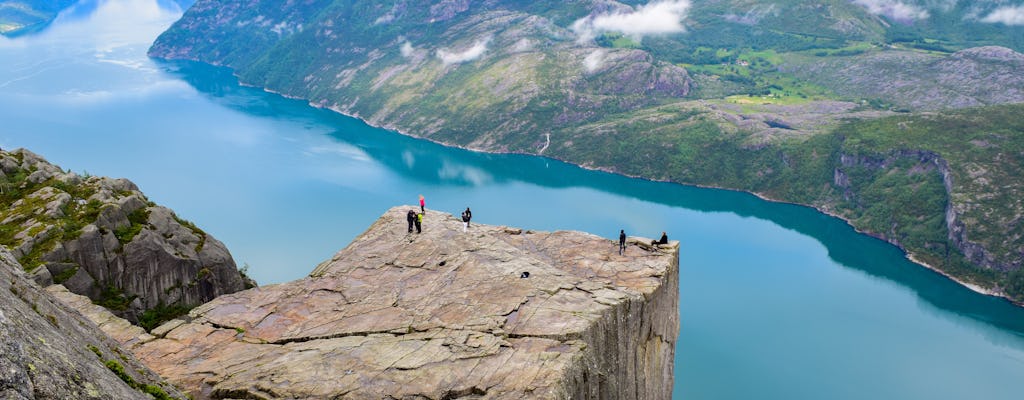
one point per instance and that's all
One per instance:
(494, 312)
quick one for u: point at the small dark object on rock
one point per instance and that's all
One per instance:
(442, 263)
(524, 275)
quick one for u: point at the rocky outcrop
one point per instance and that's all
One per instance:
(494, 312)
(104, 239)
(48, 351)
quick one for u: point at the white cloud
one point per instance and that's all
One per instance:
(593, 61)
(659, 17)
(340, 150)
(407, 49)
(752, 16)
(522, 45)
(894, 9)
(1006, 15)
(472, 175)
(384, 19)
(470, 54)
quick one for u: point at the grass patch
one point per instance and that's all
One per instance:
(156, 316)
(64, 275)
(617, 40)
(195, 230)
(114, 366)
(95, 350)
(139, 219)
(756, 74)
(34, 258)
(113, 298)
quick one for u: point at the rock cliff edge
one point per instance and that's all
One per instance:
(440, 315)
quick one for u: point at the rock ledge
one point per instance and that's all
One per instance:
(440, 315)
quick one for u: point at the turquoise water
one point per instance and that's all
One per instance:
(777, 301)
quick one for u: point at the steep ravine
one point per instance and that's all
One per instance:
(496, 312)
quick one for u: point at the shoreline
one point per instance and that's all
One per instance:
(909, 256)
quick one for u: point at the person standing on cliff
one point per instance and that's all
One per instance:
(419, 222)
(622, 241)
(411, 218)
(423, 205)
(466, 216)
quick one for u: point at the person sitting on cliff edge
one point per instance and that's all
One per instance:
(663, 240)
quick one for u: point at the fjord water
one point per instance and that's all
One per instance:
(777, 301)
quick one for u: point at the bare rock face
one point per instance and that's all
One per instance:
(103, 239)
(494, 312)
(49, 351)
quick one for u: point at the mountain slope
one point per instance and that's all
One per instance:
(742, 94)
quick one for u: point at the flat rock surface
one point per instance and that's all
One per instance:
(441, 314)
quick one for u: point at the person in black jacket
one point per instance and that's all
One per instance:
(622, 241)
(466, 216)
(411, 218)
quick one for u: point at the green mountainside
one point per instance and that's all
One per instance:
(902, 117)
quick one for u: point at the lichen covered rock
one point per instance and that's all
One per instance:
(49, 351)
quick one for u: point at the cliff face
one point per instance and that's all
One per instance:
(102, 238)
(48, 351)
(440, 315)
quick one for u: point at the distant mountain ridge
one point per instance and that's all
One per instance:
(778, 98)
